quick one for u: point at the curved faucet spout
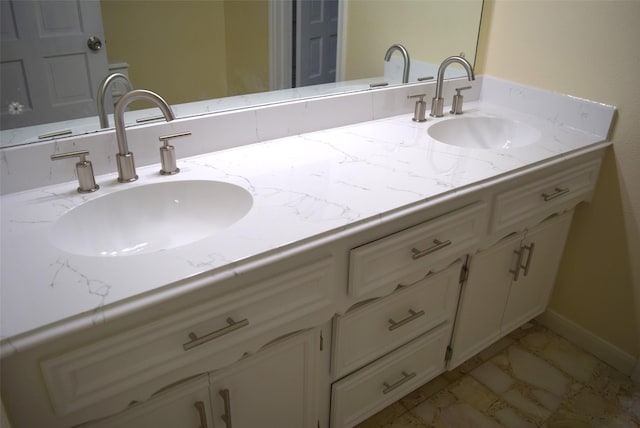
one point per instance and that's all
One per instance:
(405, 56)
(437, 103)
(126, 167)
(102, 89)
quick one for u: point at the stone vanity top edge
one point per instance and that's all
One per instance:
(29, 339)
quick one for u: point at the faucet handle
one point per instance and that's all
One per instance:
(420, 110)
(168, 154)
(425, 78)
(84, 170)
(456, 105)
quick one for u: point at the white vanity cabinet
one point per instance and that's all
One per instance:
(396, 343)
(508, 285)
(539, 257)
(509, 282)
(276, 387)
(406, 287)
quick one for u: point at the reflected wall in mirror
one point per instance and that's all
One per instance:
(210, 55)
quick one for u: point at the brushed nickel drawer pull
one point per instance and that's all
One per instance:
(199, 405)
(226, 397)
(438, 246)
(231, 327)
(527, 265)
(558, 192)
(412, 316)
(406, 377)
(516, 271)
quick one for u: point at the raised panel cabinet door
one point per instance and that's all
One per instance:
(541, 253)
(185, 405)
(276, 387)
(49, 71)
(483, 299)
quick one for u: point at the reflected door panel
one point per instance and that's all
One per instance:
(317, 42)
(48, 71)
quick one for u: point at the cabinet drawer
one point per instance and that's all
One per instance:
(105, 369)
(541, 198)
(408, 255)
(372, 330)
(379, 384)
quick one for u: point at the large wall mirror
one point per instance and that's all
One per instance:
(210, 55)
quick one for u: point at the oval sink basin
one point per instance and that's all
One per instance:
(150, 218)
(483, 132)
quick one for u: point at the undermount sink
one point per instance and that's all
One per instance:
(483, 132)
(150, 218)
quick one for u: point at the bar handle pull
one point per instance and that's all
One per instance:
(438, 245)
(406, 377)
(516, 271)
(226, 398)
(412, 316)
(199, 405)
(558, 191)
(231, 327)
(527, 265)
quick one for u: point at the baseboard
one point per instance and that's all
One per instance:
(606, 351)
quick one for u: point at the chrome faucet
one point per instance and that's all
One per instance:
(102, 89)
(126, 166)
(405, 56)
(437, 103)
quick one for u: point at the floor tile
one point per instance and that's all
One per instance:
(531, 378)
(493, 377)
(535, 371)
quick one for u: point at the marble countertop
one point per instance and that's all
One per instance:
(304, 187)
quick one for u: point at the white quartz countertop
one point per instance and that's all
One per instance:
(304, 187)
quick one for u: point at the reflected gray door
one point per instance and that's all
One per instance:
(47, 66)
(317, 30)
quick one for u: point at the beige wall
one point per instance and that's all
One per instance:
(176, 48)
(587, 49)
(190, 50)
(247, 41)
(430, 30)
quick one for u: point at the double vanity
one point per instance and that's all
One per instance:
(311, 263)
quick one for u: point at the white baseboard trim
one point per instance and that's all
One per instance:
(606, 351)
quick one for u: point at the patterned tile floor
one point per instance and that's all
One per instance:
(531, 378)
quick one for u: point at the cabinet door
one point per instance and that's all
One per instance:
(483, 299)
(183, 405)
(276, 387)
(541, 254)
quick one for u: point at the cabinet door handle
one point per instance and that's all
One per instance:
(557, 192)
(516, 271)
(527, 265)
(226, 398)
(412, 316)
(199, 405)
(406, 377)
(416, 254)
(231, 327)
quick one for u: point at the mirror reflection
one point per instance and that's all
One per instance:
(211, 55)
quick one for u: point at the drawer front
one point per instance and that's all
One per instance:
(106, 369)
(541, 198)
(367, 391)
(408, 255)
(372, 330)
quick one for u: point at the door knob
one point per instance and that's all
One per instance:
(94, 43)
